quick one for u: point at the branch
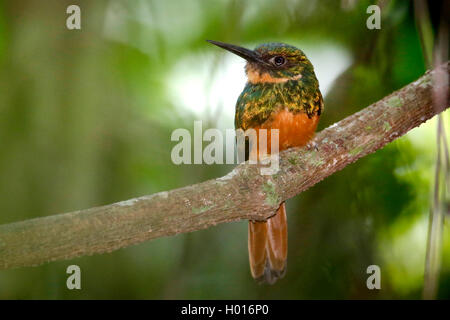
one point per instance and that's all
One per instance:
(242, 194)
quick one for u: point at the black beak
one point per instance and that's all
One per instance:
(247, 54)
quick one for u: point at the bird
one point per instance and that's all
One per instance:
(282, 92)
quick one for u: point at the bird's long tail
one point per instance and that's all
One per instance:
(267, 247)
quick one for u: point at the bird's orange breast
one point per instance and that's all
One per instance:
(295, 129)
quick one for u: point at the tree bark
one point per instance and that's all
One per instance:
(242, 194)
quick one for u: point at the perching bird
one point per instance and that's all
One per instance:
(282, 93)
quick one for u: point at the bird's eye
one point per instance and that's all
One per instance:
(278, 61)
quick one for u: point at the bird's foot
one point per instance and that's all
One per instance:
(312, 146)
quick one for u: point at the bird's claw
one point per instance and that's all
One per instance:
(312, 146)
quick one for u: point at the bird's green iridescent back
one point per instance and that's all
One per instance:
(258, 102)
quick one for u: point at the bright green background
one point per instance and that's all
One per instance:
(86, 118)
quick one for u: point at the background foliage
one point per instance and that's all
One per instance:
(86, 118)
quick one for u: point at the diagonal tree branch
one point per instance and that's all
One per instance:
(242, 194)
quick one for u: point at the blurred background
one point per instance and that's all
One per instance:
(86, 117)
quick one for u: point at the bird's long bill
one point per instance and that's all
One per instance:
(247, 54)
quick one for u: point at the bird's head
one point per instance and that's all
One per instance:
(272, 62)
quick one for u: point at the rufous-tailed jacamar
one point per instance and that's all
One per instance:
(282, 93)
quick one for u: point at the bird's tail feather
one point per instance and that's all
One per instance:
(267, 247)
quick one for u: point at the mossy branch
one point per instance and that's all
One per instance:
(242, 194)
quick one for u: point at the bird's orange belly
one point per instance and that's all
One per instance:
(295, 130)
